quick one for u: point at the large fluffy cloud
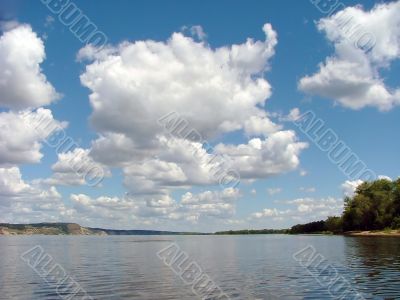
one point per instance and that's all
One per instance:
(22, 134)
(22, 83)
(364, 42)
(216, 91)
(23, 90)
(206, 92)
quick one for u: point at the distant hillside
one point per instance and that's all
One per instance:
(74, 229)
(253, 231)
(47, 229)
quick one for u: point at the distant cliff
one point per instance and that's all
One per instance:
(47, 229)
(73, 229)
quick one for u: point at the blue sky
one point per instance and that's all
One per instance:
(312, 188)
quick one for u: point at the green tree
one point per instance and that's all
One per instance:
(373, 207)
(334, 224)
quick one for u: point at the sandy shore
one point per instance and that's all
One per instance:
(394, 233)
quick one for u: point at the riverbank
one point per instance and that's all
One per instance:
(394, 233)
(76, 229)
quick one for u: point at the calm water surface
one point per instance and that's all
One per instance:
(244, 267)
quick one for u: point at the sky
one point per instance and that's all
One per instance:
(192, 116)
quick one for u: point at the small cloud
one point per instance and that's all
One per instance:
(274, 191)
(253, 192)
(270, 213)
(384, 177)
(303, 173)
(349, 187)
(49, 21)
(308, 190)
(292, 116)
(195, 31)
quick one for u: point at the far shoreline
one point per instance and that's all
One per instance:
(76, 229)
(373, 233)
(345, 234)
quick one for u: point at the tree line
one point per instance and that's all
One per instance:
(374, 206)
(253, 231)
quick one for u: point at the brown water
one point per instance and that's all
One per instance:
(243, 267)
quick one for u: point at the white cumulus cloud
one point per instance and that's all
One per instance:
(22, 83)
(213, 91)
(24, 202)
(77, 167)
(365, 42)
(262, 158)
(22, 135)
